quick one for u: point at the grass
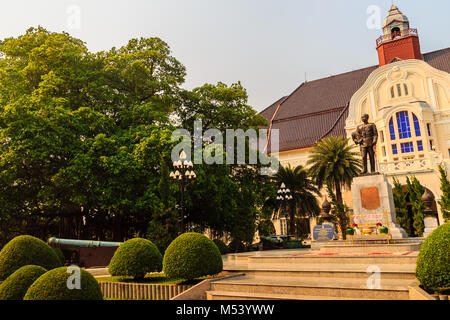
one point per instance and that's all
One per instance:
(151, 278)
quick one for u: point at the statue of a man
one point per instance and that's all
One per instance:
(367, 137)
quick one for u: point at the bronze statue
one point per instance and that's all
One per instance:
(366, 136)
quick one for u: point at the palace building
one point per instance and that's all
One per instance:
(407, 96)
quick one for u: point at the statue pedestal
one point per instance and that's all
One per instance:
(372, 197)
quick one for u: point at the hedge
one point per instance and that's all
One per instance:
(135, 257)
(16, 285)
(53, 285)
(190, 256)
(26, 250)
(433, 261)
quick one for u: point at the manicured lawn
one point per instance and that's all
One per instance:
(152, 278)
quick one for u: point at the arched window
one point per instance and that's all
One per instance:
(404, 139)
(399, 90)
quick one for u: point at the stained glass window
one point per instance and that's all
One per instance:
(394, 149)
(419, 145)
(416, 125)
(407, 147)
(404, 129)
(392, 129)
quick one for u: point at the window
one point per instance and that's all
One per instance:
(407, 147)
(384, 151)
(429, 129)
(399, 90)
(392, 129)
(394, 149)
(404, 129)
(431, 145)
(419, 145)
(382, 136)
(400, 129)
(416, 125)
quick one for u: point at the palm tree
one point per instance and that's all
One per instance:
(335, 164)
(304, 202)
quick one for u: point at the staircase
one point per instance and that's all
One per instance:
(305, 275)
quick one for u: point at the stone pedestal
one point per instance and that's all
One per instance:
(372, 195)
(431, 223)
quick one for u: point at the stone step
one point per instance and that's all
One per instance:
(228, 295)
(388, 271)
(316, 286)
(325, 259)
(370, 248)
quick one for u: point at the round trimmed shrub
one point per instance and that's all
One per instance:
(190, 256)
(26, 250)
(60, 255)
(221, 246)
(16, 285)
(135, 257)
(433, 261)
(52, 285)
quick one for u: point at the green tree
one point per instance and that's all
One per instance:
(334, 163)
(415, 191)
(401, 210)
(445, 189)
(304, 192)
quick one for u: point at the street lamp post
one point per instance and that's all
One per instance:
(183, 173)
(283, 195)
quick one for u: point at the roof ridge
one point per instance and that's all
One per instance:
(279, 101)
(336, 122)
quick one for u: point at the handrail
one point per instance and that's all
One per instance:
(404, 33)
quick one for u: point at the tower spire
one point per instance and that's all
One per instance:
(398, 41)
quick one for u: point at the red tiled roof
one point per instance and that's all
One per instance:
(319, 108)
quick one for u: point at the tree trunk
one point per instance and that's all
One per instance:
(341, 219)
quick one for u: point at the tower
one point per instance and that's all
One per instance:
(398, 41)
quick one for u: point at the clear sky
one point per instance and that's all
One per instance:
(268, 45)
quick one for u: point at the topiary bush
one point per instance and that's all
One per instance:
(135, 257)
(26, 250)
(190, 256)
(433, 261)
(52, 285)
(16, 285)
(221, 246)
(60, 255)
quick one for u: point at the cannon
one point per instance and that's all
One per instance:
(86, 253)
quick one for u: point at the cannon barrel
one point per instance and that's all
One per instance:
(75, 244)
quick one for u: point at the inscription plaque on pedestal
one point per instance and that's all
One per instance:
(370, 198)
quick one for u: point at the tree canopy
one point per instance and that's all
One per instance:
(85, 143)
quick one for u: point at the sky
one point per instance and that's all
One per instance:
(270, 46)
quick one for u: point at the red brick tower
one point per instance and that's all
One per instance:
(399, 40)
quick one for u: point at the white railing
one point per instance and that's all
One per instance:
(404, 33)
(411, 165)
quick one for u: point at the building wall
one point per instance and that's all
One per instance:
(421, 92)
(425, 93)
